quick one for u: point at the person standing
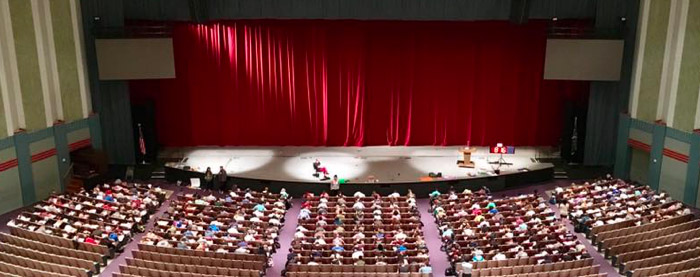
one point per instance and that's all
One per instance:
(208, 179)
(335, 185)
(222, 178)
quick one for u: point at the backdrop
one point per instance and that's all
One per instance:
(355, 83)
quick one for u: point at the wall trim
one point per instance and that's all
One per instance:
(10, 164)
(78, 39)
(43, 155)
(638, 63)
(678, 42)
(662, 106)
(42, 56)
(641, 125)
(80, 144)
(675, 155)
(678, 135)
(7, 142)
(639, 145)
(40, 135)
(691, 180)
(9, 73)
(667, 152)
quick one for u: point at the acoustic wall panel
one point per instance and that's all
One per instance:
(583, 59)
(132, 59)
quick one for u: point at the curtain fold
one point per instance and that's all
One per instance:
(356, 83)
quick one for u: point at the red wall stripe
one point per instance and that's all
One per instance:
(667, 152)
(639, 145)
(675, 155)
(43, 155)
(80, 144)
(8, 164)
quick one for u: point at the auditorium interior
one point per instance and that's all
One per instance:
(327, 138)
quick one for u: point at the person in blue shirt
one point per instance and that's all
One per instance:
(434, 194)
(493, 211)
(338, 248)
(425, 269)
(109, 198)
(260, 207)
(214, 228)
(113, 236)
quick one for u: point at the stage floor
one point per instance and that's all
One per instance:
(387, 164)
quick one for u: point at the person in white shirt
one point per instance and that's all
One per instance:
(358, 205)
(359, 194)
(499, 257)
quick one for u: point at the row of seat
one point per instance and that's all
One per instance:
(527, 269)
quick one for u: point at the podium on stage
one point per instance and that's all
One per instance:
(467, 159)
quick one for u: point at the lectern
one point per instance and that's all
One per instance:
(467, 160)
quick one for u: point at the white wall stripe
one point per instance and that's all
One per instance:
(55, 84)
(77, 20)
(639, 56)
(666, 68)
(37, 16)
(677, 59)
(9, 73)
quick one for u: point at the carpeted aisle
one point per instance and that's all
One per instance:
(438, 259)
(285, 239)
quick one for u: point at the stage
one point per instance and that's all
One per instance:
(365, 168)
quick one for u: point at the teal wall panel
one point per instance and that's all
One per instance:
(656, 155)
(639, 168)
(29, 181)
(693, 175)
(46, 178)
(623, 153)
(78, 135)
(10, 186)
(24, 161)
(672, 177)
(643, 136)
(44, 167)
(677, 145)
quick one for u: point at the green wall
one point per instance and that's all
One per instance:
(66, 59)
(28, 64)
(653, 59)
(689, 78)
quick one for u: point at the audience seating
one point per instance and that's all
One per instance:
(494, 237)
(644, 233)
(12, 269)
(68, 234)
(391, 220)
(210, 236)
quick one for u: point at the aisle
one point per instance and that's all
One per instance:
(286, 236)
(438, 259)
(605, 265)
(113, 266)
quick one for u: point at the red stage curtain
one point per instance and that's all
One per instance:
(355, 83)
